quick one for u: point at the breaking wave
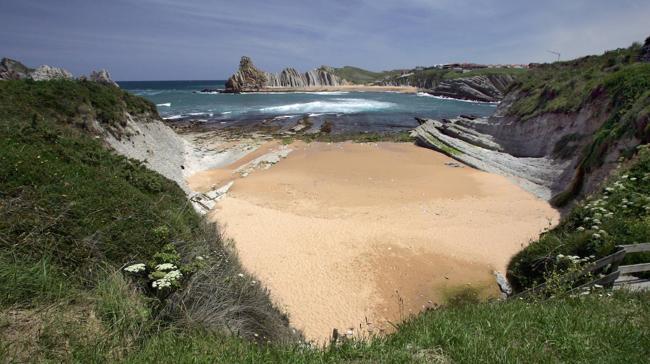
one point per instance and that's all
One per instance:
(166, 104)
(346, 106)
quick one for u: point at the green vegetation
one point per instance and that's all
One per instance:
(618, 215)
(72, 213)
(372, 137)
(360, 76)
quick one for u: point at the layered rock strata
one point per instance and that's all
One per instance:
(250, 79)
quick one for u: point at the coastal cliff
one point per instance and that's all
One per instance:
(561, 129)
(250, 79)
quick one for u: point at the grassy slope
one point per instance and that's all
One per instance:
(360, 76)
(616, 80)
(586, 329)
(72, 213)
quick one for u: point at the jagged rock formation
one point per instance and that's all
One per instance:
(249, 78)
(13, 70)
(489, 88)
(290, 77)
(102, 76)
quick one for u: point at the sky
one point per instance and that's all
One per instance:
(204, 39)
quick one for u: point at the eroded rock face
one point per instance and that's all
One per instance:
(46, 73)
(541, 154)
(102, 76)
(247, 78)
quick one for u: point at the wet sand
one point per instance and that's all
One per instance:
(359, 236)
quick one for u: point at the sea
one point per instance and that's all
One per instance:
(347, 111)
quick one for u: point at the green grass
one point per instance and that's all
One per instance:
(586, 329)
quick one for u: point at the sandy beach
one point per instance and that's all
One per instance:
(359, 236)
(344, 88)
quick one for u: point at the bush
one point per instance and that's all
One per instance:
(618, 215)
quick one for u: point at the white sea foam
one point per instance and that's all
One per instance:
(346, 106)
(173, 117)
(167, 104)
(424, 94)
(225, 113)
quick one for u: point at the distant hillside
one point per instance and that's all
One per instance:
(360, 76)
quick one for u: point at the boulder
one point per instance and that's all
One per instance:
(102, 76)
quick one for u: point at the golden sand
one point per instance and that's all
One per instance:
(358, 236)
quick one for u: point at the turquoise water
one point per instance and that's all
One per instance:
(349, 111)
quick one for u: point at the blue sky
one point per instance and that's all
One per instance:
(204, 39)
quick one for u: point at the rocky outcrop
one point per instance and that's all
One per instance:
(540, 154)
(535, 174)
(488, 88)
(248, 78)
(46, 73)
(102, 76)
(484, 88)
(13, 70)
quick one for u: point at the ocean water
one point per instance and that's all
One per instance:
(348, 111)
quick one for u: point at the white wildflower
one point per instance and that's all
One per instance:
(596, 236)
(135, 268)
(200, 258)
(581, 228)
(633, 179)
(165, 266)
(595, 227)
(173, 275)
(161, 283)
(240, 275)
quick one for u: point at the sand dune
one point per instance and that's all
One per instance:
(352, 236)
